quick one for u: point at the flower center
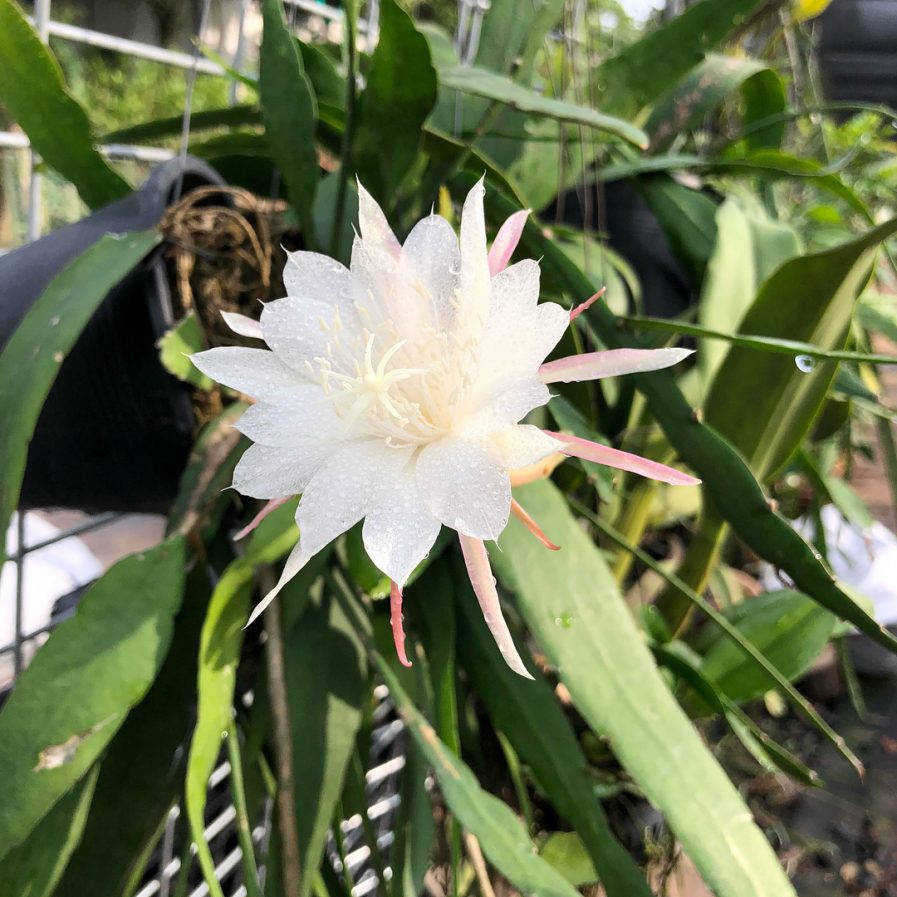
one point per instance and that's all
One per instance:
(381, 385)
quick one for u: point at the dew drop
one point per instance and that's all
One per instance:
(805, 363)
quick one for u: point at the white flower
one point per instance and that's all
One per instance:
(393, 393)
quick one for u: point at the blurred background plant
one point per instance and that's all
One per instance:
(710, 166)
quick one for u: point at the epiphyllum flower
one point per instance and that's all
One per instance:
(394, 391)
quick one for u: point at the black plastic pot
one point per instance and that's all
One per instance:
(858, 51)
(634, 232)
(116, 429)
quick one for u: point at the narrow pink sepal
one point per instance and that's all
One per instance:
(611, 457)
(521, 514)
(476, 558)
(506, 241)
(265, 511)
(395, 620)
(609, 363)
(585, 306)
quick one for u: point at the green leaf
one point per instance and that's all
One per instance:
(529, 715)
(399, 95)
(644, 71)
(500, 833)
(207, 119)
(34, 94)
(586, 630)
(33, 868)
(108, 655)
(142, 772)
(769, 165)
(764, 98)
(513, 33)
(658, 628)
(328, 84)
(878, 314)
(697, 95)
(175, 347)
(434, 617)
(289, 111)
(219, 655)
(789, 628)
(414, 827)
(726, 477)
(764, 408)
(730, 283)
(326, 681)
(687, 217)
(31, 359)
(566, 852)
(769, 344)
(677, 658)
(483, 83)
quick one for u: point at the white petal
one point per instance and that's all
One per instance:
(376, 281)
(307, 418)
(499, 403)
(465, 485)
(517, 343)
(474, 261)
(373, 225)
(516, 289)
(431, 262)
(257, 372)
(345, 488)
(399, 530)
(523, 445)
(242, 325)
(294, 563)
(267, 471)
(477, 561)
(609, 363)
(298, 329)
(311, 275)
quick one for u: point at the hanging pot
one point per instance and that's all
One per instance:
(858, 51)
(634, 231)
(116, 429)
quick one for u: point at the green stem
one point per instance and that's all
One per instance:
(244, 826)
(632, 522)
(349, 125)
(283, 742)
(889, 455)
(700, 559)
(854, 688)
(516, 773)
